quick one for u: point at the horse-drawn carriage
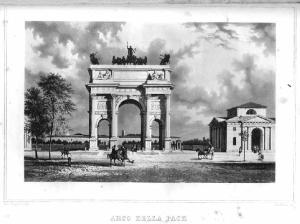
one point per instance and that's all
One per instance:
(204, 153)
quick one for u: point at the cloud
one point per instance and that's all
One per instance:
(84, 41)
(222, 34)
(218, 33)
(257, 85)
(264, 34)
(30, 78)
(52, 35)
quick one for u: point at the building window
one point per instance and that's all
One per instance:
(234, 128)
(234, 140)
(251, 112)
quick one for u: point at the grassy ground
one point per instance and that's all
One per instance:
(180, 167)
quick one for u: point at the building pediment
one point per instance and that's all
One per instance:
(260, 119)
(250, 119)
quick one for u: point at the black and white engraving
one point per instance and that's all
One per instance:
(128, 102)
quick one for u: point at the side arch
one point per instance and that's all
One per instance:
(157, 145)
(99, 119)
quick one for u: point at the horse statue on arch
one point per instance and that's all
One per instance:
(94, 59)
(165, 59)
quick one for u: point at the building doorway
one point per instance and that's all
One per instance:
(256, 140)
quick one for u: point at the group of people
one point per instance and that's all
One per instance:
(120, 154)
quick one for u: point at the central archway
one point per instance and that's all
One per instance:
(130, 128)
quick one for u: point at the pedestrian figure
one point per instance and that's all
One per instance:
(69, 161)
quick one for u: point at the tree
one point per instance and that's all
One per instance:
(57, 93)
(36, 112)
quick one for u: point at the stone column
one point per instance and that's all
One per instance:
(215, 137)
(219, 142)
(264, 137)
(114, 120)
(148, 139)
(167, 123)
(270, 138)
(261, 145)
(93, 137)
(143, 121)
(249, 129)
(210, 134)
(221, 139)
(248, 138)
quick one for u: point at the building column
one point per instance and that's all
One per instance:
(114, 127)
(217, 130)
(93, 127)
(212, 140)
(262, 140)
(264, 137)
(143, 121)
(220, 139)
(249, 138)
(148, 140)
(167, 123)
(270, 138)
(210, 134)
(215, 137)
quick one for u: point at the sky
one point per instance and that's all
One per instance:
(215, 66)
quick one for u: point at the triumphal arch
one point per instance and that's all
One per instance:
(147, 86)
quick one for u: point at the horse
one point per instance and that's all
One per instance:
(115, 156)
(120, 155)
(204, 153)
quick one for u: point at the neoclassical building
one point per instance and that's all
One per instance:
(245, 127)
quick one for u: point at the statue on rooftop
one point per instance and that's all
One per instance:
(165, 59)
(130, 59)
(94, 60)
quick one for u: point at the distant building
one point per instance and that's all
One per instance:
(248, 121)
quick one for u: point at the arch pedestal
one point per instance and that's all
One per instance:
(147, 86)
